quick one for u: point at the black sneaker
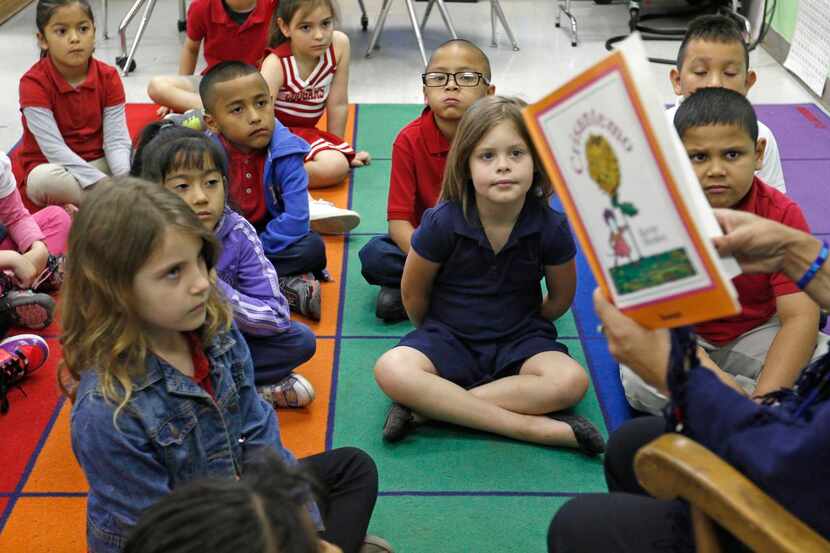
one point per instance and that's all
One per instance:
(399, 423)
(389, 305)
(590, 441)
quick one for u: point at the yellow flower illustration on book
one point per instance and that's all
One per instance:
(604, 168)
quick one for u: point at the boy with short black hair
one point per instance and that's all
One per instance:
(714, 53)
(458, 74)
(268, 181)
(763, 348)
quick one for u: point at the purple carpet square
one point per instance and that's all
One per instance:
(801, 130)
(807, 182)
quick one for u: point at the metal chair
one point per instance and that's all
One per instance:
(495, 11)
(416, 28)
(126, 60)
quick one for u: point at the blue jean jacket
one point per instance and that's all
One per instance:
(170, 432)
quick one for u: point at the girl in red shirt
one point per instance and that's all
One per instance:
(74, 124)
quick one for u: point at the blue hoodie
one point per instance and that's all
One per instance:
(285, 182)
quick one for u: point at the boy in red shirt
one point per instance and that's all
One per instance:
(232, 30)
(457, 75)
(763, 348)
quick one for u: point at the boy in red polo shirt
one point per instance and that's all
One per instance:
(457, 75)
(232, 30)
(763, 348)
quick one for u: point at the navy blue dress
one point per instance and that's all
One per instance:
(483, 319)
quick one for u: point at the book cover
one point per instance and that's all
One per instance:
(631, 194)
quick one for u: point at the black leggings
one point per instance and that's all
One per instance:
(627, 519)
(349, 481)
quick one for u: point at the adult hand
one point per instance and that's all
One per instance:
(645, 351)
(326, 547)
(759, 245)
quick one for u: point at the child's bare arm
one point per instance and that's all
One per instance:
(416, 286)
(189, 56)
(561, 281)
(271, 71)
(793, 346)
(337, 105)
(400, 231)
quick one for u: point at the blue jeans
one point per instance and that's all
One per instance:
(381, 262)
(275, 357)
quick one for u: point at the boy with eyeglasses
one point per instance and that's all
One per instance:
(457, 75)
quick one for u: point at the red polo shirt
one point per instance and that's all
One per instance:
(225, 40)
(245, 188)
(79, 112)
(757, 293)
(419, 156)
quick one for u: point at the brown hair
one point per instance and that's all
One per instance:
(478, 120)
(119, 226)
(287, 9)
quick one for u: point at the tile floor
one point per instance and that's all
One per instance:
(391, 75)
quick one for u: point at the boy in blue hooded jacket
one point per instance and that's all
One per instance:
(268, 183)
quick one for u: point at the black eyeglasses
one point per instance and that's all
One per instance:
(461, 78)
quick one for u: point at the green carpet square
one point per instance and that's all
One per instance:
(440, 457)
(418, 524)
(379, 124)
(359, 311)
(370, 188)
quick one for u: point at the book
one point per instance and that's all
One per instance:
(631, 194)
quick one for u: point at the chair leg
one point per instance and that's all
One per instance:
(106, 8)
(566, 9)
(446, 16)
(182, 22)
(364, 19)
(426, 14)
(493, 42)
(500, 13)
(416, 29)
(122, 27)
(148, 12)
(384, 11)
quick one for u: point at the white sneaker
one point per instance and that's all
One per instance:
(326, 218)
(291, 392)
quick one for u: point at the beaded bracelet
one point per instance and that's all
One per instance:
(811, 272)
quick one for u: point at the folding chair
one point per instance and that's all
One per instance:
(384, 12)
(495, 11)
(126, 60)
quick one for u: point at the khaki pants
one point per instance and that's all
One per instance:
(743, 358)
(52, 184)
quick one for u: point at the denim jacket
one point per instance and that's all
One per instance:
(170, 432)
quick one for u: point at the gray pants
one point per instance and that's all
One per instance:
(53, 184)
(743, 358)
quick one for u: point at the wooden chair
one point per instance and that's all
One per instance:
(673, 466)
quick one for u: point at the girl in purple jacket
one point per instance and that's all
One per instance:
(192, 166)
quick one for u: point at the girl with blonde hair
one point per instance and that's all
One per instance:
(162, 382)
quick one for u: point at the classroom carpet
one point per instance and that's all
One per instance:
(442, 489)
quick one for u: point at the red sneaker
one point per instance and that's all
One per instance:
(20, 356)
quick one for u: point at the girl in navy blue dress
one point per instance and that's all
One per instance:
(484, 353)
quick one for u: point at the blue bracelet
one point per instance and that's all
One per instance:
(811, 272)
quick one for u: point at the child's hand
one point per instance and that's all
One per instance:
(24, 272)
(71, 209)
(361, 159)
(162, 111)
(38, 256)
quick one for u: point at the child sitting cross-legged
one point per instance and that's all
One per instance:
(193, 166)
(763, 348)
(267, 178)
(161, 380)
(484, 353)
